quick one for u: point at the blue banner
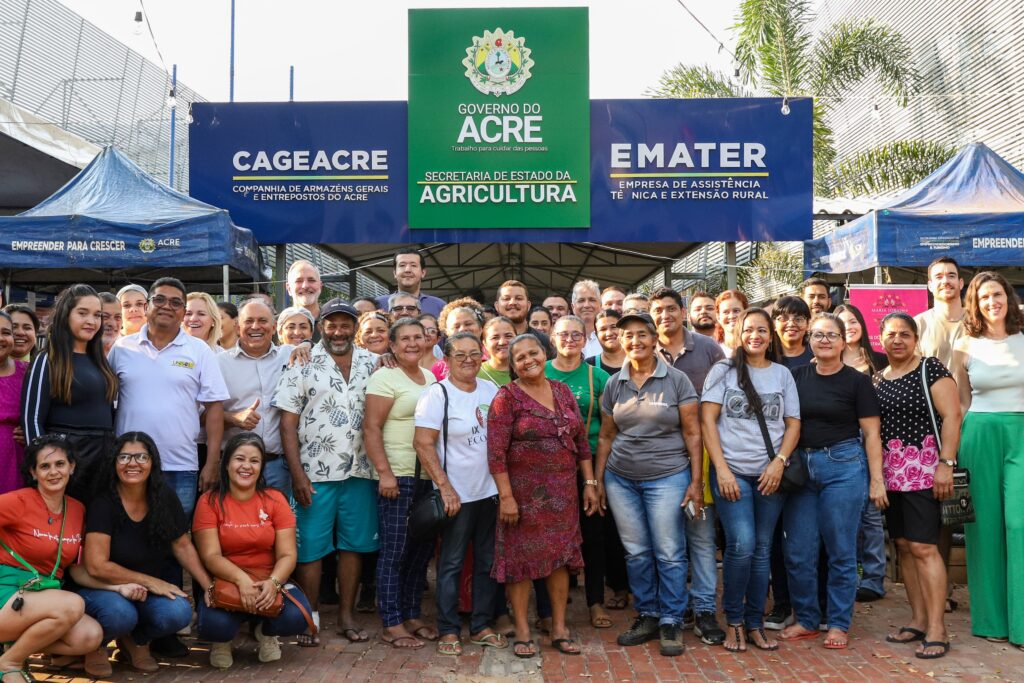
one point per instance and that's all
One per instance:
(661, 171)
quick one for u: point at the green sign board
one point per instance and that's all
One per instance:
(499, 118)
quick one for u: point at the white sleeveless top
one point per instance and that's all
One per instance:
(996, 370)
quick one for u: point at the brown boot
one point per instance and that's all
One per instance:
(138, 655)
(97, 663)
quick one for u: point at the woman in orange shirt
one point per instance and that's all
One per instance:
(245, 534)
(41, 528)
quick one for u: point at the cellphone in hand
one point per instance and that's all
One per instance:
(690, 509)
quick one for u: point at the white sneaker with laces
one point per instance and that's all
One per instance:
(269, 646)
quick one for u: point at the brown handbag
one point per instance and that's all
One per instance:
(226, 596)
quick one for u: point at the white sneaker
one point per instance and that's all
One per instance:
(220, 655)
(269, 646)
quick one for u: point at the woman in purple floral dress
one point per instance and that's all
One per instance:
(535, 440)
(918, 474)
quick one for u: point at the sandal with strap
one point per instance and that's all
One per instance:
(532, 652)
(565, 645)
(26, 676)
(916, 635)
(763, 645)
(495, 640)
(739, 645)
(449, 647)
(944, 644)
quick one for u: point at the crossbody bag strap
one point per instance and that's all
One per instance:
(928, 400)
(764, 434)
(305, 613)
(590, 404)
(444, 436)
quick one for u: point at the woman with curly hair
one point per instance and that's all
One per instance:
(988, 365)
(372, 332)
(133, 528)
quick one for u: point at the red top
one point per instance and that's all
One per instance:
(26, 527)
(247, 530)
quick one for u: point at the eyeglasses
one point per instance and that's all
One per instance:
(125, 458)
(429, 330)
(575, 336)
(463, 357)
(159, 300)
(822, 336)
(107, 316)
(796, 319)
(405, 309)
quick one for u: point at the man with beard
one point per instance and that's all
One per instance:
(702, 314)
(586, 302)
(322, 405)
(111, 320)
(409, 274)
(304, 286)
(513, 302)
(252, 369)
(557, 306)
(693, 354)
(814, 292)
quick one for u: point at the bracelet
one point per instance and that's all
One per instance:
(590, 482)
(277, 584)
(783, 458)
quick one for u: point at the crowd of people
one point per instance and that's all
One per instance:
(274, 458)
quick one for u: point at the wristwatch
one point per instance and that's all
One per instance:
(950, 463)
(783, 458)
(590, 482)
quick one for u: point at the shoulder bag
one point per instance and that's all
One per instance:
(427, 517)
(37, 582)
(226, 596)
(794, 474)
(590, 405)
(958, 509)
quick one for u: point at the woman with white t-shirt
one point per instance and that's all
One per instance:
(455, 457)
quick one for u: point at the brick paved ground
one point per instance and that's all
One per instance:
(869, 658)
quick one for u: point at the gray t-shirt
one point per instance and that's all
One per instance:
(649, 443)
(738, 430)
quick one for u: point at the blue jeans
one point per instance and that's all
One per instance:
(700, 540)
(749, 525)
(827, 509)
(144, 621)
(185, 485)
(871, 548)
(652, 527)
(220, 626)
(474, 524)
(277, 476)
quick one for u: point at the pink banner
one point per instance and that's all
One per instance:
(877, 301)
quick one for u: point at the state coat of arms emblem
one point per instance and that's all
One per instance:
(498, 63)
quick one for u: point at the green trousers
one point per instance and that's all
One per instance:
(992, 448)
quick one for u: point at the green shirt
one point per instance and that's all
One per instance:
(578, 382)
(499, 377)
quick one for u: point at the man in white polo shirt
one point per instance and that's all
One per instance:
(252, 369)
(164, 376)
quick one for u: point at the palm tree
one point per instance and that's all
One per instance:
(777, 56)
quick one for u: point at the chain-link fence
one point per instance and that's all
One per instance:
(60, 67)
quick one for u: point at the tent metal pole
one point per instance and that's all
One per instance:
(227, 282)
(730, 265)
(280, 269)
(878, 275)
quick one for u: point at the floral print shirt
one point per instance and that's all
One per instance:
(331, 413)
(910, 449)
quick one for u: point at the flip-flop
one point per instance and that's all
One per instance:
(353, 635)
(26, 676)
(764, 639)
(810, 635)
(562, 645)
(449, 647)
(495, 640)
(944, 644)
(394, 642)
(951, 605)
(740, 647)
(832, 644)
(307, 640)
(601, 621)
(616, 602)
(430, 635)
(524, 655)
(917, 635)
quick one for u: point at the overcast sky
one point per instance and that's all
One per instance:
(356, 49)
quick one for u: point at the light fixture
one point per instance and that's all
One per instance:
(137, 29)
(172, 101)
(188, 118)
(785, 106)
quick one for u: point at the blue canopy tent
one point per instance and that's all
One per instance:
(970, 208)
(112, 216)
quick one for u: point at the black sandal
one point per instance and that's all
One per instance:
(944, 644)
(917, 635)
(764, 639)
(524, 655)
(561, 644)
(737, 630)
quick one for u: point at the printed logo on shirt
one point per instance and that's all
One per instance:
(183, 364)
(481, 414)
(737, 407)
(38, 533)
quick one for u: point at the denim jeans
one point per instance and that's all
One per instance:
(277, 476)
(652, 526)
(871, 548)
(749, 525)
(185, 485)
(474, 524)
(220, 626)
(145, 620)
(700, 541)
(827, 509)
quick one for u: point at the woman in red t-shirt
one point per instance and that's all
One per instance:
(245, 533)
(36, 522)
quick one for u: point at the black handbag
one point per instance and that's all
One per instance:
(959, 509)
(427, 517)
(794, 475)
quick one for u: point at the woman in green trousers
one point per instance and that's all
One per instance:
(988, 364)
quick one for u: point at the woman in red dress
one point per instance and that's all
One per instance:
(535, 441)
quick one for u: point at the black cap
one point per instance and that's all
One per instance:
(633, 317)
(338, 306)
